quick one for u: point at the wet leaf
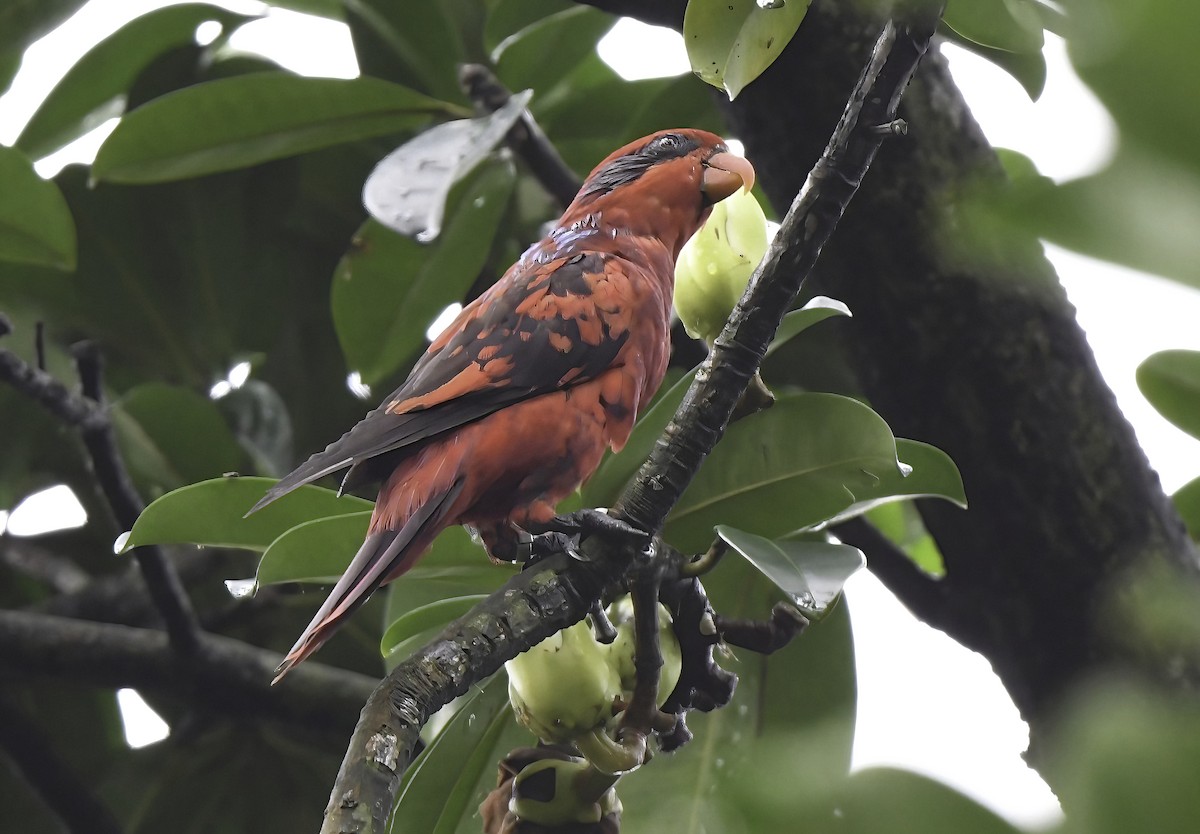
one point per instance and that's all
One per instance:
(811, 573)
(1170, 380)
(731, 42)
(237, 122)
(35, 222)
(96, 87)
(408, 189)
(388, 288)
(213, 513)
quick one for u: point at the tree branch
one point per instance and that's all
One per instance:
(525, 138)
(926, 596)
(223, 674)
(65, 795)
(87, 414)
(60, 575)
(558, 591)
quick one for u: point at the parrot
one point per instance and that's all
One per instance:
(512, 407)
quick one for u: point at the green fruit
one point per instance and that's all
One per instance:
(714, 267)
(563, 686)
(621, 650)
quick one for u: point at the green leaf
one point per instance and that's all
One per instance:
(388, 288)
(616, 470)
(1187, 504)
(403, 635)
(316, 551)
(443, 788)
(931, 474)
(1139, 59)
(803, 461)
(1028, 68)
(811, 573)
(731, 42)
(888, 799)
(1009, 25)
(508, 17)
(24, 21)
(805, 692)
(536, 58)
(237, 122)
(902, 524)
(422, 43)
(95, 88)
(1170, 380)
(172, 436)
(213, 513)
(35, 222)
(408, 189)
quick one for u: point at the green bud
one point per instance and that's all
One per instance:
(716, 264)
(621, 650)
(563, 686)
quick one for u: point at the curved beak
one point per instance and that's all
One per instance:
(724, 174)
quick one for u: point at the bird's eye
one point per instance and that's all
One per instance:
(669, 142)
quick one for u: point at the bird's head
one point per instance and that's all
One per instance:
(662, 185)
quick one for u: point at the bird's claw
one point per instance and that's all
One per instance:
(533, 548)
(587, 521)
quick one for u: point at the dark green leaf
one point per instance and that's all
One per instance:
(443, 788)
(237, 122)
(1139, 59)
(213, 513)
(24, 21)
(388, 288)
(95, 88)
(317, 551)
(420, 43)
(731, 42)
(402, 637)
(804, 692)
(1187, 503)
(616, 470)
(811, 573)
(408, 189)
(1123, 758)
(886, 799)
(901, 523)
(172, 436)
(804, 460)
(35, 223)
(1010, 25)
(1028, 68)
(536, 58)
(508, 17)
(1170, 380)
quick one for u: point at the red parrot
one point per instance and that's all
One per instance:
(512, 407)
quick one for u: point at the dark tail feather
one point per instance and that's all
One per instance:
(384, 555)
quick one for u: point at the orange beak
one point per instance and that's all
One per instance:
(724, 174)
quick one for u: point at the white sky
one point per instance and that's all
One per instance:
(925, 702)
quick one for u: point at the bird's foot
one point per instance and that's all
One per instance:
(533, 548)
(589, 521)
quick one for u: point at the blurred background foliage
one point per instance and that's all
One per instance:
(218, 252)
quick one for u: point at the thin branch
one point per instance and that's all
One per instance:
(922, 594)
(525, 138)
(558, 591)
(224, 674)
(59, 574)
(65, 795)
(87, 414)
